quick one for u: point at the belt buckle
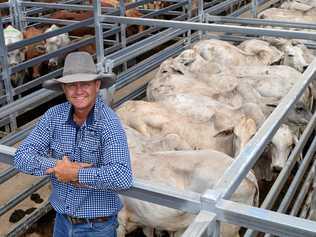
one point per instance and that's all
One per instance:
(75, 220)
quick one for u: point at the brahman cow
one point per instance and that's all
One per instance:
(194, 171)
(300, 5)
(224, 53)
(288, 15)
(295, 53)
(153, 120)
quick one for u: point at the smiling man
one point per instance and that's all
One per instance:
(82, 146)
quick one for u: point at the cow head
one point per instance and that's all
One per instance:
(297, 56)
(54, 43)
(12, 35)
(281, 146)
(299, 115)
(244, 131)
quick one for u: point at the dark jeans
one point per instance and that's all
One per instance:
(64, 228)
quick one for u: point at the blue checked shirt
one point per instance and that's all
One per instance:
(101, 141)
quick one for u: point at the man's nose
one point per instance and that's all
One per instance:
(79, 87)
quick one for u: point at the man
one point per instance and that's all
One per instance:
(82, 146)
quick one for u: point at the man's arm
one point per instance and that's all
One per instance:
(32, 155)
(116, 173)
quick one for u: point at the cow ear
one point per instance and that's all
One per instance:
(225, 132)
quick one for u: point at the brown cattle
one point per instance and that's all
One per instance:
(83, 15)
(34, 50)
(75, 16)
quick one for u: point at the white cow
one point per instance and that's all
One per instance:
(138, 143)
(194, 171)
(288, 15)
(227, 54)
(12, 35)
(153, 120)
(295, 53)
(300, 5)
(275, 82)
(54, 43)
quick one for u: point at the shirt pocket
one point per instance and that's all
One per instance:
(90, 151)
(58, 150)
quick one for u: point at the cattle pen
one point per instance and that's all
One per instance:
(117, 52)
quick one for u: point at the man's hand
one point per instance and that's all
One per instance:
(67, 171)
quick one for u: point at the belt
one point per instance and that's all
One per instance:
(78, 220)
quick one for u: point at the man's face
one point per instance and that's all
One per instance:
(82, 95)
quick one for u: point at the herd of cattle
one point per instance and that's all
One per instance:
(201, 109)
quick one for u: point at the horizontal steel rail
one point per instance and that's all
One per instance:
(23, 195)
(7, 174)
(210, 27)
(47, 35)
(20, 228)
(260, 22)
(36, 10)
(74, 7)
(28, 102)
(264, 220)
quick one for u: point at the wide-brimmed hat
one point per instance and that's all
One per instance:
(79, 66)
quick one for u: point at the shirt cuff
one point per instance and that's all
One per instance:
(47, 163)
(88, 176)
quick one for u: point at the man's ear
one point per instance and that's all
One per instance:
(98, 82)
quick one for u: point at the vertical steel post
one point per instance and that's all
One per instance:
(189, 33)
(98, 35)
(20, 11)
(106, 94)
(201, 15)
(123, 29)
(6, 74)
(13, 14)
(254, 4)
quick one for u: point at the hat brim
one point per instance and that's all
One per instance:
(107, 80)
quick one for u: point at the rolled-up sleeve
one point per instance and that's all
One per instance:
(31, 156)
(115, 173)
